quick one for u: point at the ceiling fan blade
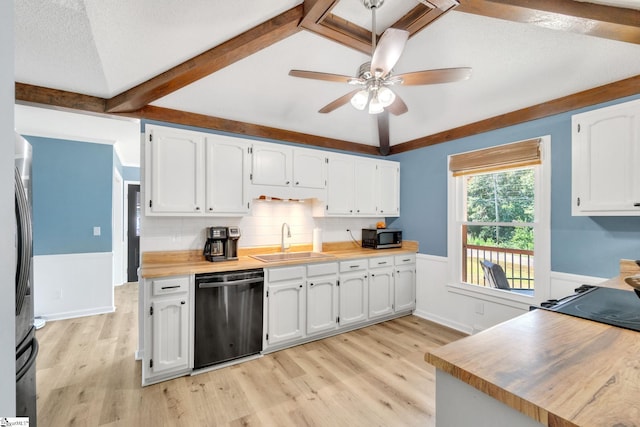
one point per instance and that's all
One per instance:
(320, 76)
(383, 132)
(338, 102)
(388, 51)
(397, 107)
(429, 77)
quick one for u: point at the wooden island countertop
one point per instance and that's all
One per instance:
(176, 263)
(558, 370)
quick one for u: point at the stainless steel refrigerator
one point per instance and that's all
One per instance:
(26, 342)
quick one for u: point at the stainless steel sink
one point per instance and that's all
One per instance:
(289, 256)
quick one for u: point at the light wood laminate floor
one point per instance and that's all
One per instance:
(376, 376)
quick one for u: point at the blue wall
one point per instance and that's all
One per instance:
(589, 246)
(130, 173)
(72, 193)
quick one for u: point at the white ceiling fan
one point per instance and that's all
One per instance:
(375, 78)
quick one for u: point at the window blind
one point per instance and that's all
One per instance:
(508, 156)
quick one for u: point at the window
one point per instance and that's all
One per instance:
(499, 219)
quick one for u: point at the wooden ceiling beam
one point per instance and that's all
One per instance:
(609, 22)
(319, 19)
(600, 94)
(168, 115)
(247, 43)
(30, 94)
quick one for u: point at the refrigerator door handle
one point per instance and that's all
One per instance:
(24, 236)
(35, 347)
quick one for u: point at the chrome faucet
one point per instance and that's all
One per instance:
(282, 235)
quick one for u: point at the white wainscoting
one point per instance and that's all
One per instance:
(436, 302)
(73, 285)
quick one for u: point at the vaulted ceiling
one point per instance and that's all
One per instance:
(224, 65)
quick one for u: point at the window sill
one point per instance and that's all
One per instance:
(498, 296)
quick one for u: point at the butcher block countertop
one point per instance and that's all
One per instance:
(557, 369)
(175, 263)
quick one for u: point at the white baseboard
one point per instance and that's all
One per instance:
(73, 285)
(444, 322)
(79, 313)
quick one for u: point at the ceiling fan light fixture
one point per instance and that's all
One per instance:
(375, 106)
(386, 96)
(360, 99)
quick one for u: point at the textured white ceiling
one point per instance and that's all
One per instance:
(102, 48)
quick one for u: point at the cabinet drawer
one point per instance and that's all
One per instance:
(170, 285)
(386, 261)
(405, 259)
(322, 269)
(353, 265)
(285, 273)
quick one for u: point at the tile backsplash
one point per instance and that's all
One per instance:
(262, 227)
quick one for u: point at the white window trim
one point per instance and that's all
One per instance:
(542, 233)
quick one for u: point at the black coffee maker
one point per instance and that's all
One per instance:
(215, 247)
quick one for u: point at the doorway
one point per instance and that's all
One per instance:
(133, 232)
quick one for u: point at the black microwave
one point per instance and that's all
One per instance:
(381, 238)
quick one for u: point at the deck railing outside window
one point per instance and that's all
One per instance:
(517, 264)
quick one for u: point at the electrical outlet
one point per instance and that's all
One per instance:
(96, 231)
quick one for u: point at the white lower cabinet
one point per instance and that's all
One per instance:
(307, 302)
(381, 292)
(354, 285)
(405, 287)
(322, 298)
(285, 293)
(167, 330)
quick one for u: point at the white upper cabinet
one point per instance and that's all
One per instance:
(309, 168)
(340, 185)
(190, 173)
(194, 173)
(389, 185)
(174, 171)
(606, 161)
(227, 170)
(357, 186)
(271, 165)
(288, 173)
(366, 187)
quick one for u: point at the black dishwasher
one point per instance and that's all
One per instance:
(228, 316)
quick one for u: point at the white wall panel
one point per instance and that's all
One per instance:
(73, 285)
(436, 301)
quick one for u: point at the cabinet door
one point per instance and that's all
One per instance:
(322, 304)
(309, 168)
(340, 185)
(366, 187)
(170, 334)
(353, 298)
(605, 158)
(380, 292)
(227, 172)
(175, 171)
(389, 185)
(405, 287)
(271, 165)
(286, 306)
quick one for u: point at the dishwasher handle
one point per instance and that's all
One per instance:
(207, 285)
